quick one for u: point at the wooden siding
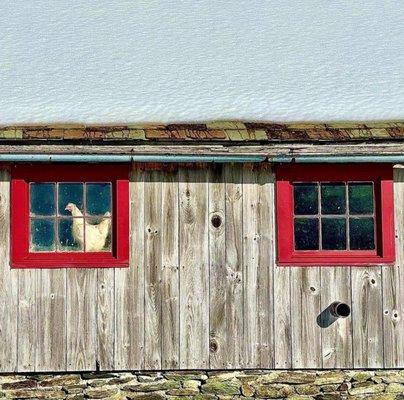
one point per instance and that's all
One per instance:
(198, 294)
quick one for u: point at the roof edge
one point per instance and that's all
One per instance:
(231, 131)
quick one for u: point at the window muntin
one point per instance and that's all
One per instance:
(334, 216)
(343, 214)
(70, 216)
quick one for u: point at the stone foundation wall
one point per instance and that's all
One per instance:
(207, 385)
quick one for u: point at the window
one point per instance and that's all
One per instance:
(335, 214)
(70, 216)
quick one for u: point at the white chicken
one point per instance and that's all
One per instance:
(96, 235)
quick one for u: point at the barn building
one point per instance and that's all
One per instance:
(217, 260)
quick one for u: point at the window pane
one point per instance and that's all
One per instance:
(360, 198)
(305, 198)
(98, 234)
(70, 193)
(306, 234)
(98, 198)
(333, 233)
(361, 233)
(42, 235)
(71, 233)
(42, 198)
(333, 199)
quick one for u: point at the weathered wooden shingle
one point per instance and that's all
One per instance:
(234, 131)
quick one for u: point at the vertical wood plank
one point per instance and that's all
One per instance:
(282, 318)
(265, 290)
(27, 319)
(218, 271)
(194, 269)
(250, 270)
(152, 266)
(258, 261)
(367, 319)
(129, 286)
(234, 264)
(305, 307)
(8, 284)
(105, 318)
(393, 286)
(336, 338)
(170, 271)
(50, 301)
(81, 319)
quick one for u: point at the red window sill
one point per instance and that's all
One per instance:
(63, 260)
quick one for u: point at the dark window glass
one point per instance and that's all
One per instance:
(98, 198)
(360, 198)
(333, 232)
(333, 199)
(42, 235)
(306, 198)
(306, 234)
(361, 233)
(70, 193)
(42, 199)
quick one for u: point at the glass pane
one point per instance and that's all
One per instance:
(361, 233)
(42, 198)
(70, 194)
(305, 198)
(306, 234)
(71, 234)
(98, 234)
(98, 198)
(333, 198)
(360, 198)
(333, 233)
(42, 235)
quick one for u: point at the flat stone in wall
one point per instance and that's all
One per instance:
(207, 385)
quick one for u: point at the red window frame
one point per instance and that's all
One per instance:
(22, 174)
(382, 177)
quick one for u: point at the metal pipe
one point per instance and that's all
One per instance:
(337, 159)
(340, 310)
(109, 158)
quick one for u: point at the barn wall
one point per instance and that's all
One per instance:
(198, 296)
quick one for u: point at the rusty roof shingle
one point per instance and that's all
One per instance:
(232, 131)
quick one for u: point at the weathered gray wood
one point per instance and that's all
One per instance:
(393, 324)
(270, 149)
(336, 339)
(153, 267)
(234, 265)
(227, 290)
(367, 319)
(194, 269)
(8, 284)
(105, 318)
(27, 319)
(218, 270)
(393, 286)
(170, 271)
(50, 299)
(306, 306)
(282, 318)
(258, 259)
(129, 286)
(267, 254)
(81, 299)
(250, 270)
